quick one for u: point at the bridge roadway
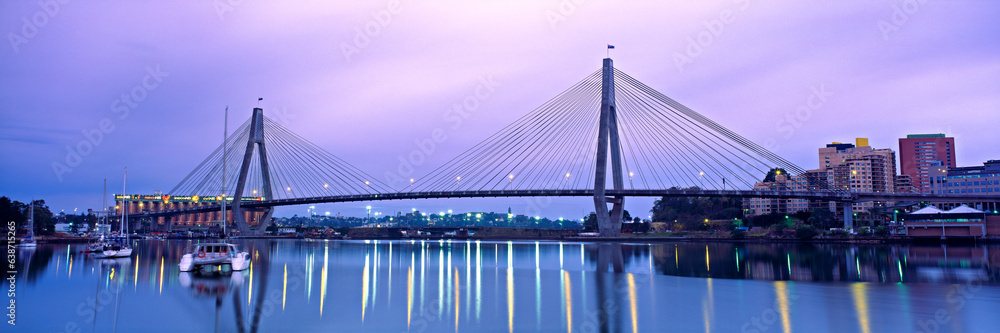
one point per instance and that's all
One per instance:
(810, 195)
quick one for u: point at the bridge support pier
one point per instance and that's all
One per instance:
(256, 138)
(848, 214)
(609, 223)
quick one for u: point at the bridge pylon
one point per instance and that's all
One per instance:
(609, 223)
(256, 138)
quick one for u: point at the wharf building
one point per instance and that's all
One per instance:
(146, 203)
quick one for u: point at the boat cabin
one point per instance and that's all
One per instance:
(210, 250)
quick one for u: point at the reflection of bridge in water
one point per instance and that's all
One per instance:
(468, 285)
(609, 136)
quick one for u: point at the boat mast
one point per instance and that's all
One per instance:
(104, 202)
(225, 135)
(124, 221)
(31, 220)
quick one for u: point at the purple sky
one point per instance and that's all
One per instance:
(889, 68)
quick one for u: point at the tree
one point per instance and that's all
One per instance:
(766, 220)
(590, 222)
(44, 222)
(772, 173)
(822, 218)
(696, 209)
(12, 211)
(806, 232)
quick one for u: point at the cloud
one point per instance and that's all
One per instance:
(933, 74)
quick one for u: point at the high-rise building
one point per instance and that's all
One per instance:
(779, 180)
(904, 184)
(919, 153)
(859, 169)
(842, 166)
(983, 179)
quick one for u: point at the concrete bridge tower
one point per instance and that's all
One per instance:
(608, 222)
(256, 138)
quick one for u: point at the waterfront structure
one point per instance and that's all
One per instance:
(142, 203)
(919, 153)
(983, 179)
(961, 221)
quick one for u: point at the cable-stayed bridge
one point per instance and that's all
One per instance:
(609, 136)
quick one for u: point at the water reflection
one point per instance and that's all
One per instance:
(540, 286)
(212, 285)
(815, 262)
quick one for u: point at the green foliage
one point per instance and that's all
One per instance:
(738, 234)
(12, 211)
(775, 231)
(864, 231)
(806, 232)
(590, 222)
(840, 233)
(881, 231)
(822, 218)
(766, 220)
(18, 212)
(774, 172)
(690, 213)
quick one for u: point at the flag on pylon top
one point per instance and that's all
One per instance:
(610, 46)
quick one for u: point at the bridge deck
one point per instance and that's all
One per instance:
(814, 195)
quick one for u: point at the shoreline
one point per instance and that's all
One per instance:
(591, 239)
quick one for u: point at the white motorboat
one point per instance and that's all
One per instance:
(212, 254)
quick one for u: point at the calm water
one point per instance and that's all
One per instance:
(432, 286)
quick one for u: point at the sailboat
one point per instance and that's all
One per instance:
(120, 250)
(29, 240)
(100, 244)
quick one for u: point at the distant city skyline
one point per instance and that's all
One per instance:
(83, 96)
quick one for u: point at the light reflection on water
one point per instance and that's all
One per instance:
(535, 286)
